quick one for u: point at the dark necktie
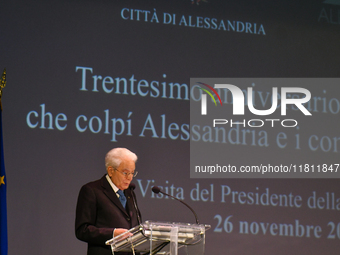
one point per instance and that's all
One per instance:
(122, 197)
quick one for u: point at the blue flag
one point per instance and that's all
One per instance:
(3, 203)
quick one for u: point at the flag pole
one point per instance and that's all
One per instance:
(2, 85)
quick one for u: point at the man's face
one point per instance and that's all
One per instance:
(118, 176)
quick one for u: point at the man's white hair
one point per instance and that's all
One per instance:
(115, 156)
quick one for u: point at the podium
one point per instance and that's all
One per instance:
(161, 238)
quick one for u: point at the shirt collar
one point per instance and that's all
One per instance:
(114, 187)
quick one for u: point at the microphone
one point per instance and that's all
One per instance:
(132, 186)
(157, 190)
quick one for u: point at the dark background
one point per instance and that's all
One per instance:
(42, 43)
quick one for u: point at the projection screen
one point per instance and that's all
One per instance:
(86, 76)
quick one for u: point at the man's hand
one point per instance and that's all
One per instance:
(119, 231)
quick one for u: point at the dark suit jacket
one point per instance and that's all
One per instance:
(99, 212)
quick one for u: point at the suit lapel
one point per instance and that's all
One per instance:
(130, 208)
(129, 204)
(108, 191)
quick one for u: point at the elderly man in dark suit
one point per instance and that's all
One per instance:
(105, 207)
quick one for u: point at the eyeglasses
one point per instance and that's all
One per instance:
(126, 174)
